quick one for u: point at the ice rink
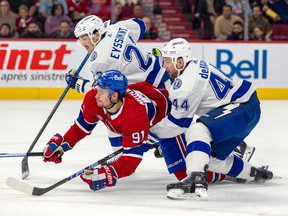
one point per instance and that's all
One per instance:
(143, 193)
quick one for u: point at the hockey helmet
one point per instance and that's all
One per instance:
(113, 81)
(90, 25)
(177, 48)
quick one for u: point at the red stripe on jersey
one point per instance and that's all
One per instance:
(181, 145)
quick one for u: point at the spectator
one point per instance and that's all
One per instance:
(127, 9)
(259, 34)
(237, 32)
(7, 16)
(45, 7)
(224, 23)
(207, 11)
(238, 7)
(53, 21)
(137, 11)
(23, 20)
(104, 9)
(5, 31)
(33, 31)
(268, 9)
(118, 11)
(63, 32)
(31, 4)
(282, 9)
(77, 9)
(149, 33)
(258, 20)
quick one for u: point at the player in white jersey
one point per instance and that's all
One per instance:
(116, 47)
(228, 109)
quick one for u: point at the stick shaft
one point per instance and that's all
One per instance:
(31, 154)
(25, 168)
(41, 191)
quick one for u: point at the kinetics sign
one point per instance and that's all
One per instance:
(38, 59)
(37, 63)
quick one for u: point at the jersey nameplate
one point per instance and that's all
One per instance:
(118, 43)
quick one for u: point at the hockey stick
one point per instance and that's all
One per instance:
(31, 154)
(28, 189)
(24, 164)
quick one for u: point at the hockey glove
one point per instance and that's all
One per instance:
(77, 83)
(156, 52)
(55, 148)
(100, 178)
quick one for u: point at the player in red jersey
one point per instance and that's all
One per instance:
(142, 105)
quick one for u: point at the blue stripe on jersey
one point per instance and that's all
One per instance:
(153, 74)
(138, 150)
(141, 25)
(86, 125)
(151, 111)
(165, 77)
(237, 167)
(216, 177)
(182, 122)
(242, 90)
(198, 146)
(115, 141)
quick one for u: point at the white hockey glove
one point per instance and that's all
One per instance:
(78, 83)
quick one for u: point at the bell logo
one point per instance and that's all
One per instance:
(245, 69)
(32, 60)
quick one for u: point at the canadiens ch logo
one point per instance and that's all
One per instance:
(177, 83)
(93, 56)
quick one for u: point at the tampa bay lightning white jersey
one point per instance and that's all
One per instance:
(119, 50)
(199, 89)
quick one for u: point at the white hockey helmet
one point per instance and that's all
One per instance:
(90, 25)
(177, 48)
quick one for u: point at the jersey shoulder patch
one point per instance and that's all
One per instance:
(93, 56)
(177, 83)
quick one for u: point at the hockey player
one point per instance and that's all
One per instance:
(117, 107)
(228, 109)
(116, 47)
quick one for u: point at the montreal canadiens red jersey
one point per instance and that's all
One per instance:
(143, 106)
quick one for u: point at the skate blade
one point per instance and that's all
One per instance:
(178, 194)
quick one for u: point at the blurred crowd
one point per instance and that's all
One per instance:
(57, 18)
(213, 19)
(224, 19)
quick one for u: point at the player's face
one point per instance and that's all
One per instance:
(102, 97)
(169, 66)
(85, 41)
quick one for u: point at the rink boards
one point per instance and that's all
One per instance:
(32, 69)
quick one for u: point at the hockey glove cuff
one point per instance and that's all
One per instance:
(55, 148)
(100, 178)
(77, 83)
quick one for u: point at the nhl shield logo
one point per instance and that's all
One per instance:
(177, 83)
(93, 56)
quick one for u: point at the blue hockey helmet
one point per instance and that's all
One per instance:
(113, 81)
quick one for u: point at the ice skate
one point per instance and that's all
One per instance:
(193, 186)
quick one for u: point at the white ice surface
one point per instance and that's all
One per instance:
(144, 192)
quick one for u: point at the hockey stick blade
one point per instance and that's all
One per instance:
(25, 168)
(28, 189)
(19, 185)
